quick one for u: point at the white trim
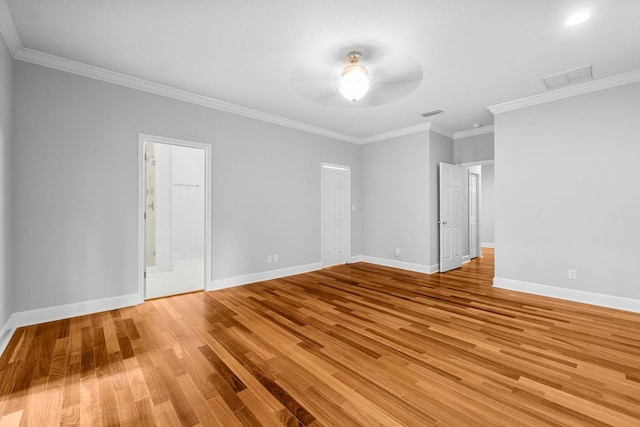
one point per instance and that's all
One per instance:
(8, 29)
(603, 300)
(473, 132)
(568, 92)
(466, 258)
(409, 130)
(422, 127)
(142, 259)
(229, 282)
(354, 259)
(142, 139)
(487, 245)
(420, 268)
(74, 67)
(6, 333)
(476, 163)
(50, 314)
(437, 129)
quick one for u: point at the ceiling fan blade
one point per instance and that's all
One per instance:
(393, 75)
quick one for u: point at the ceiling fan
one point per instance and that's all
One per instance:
(361, 75)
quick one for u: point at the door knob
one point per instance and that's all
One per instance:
(442, 222)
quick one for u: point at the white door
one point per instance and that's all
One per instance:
(450, 216)
(335, 214)
(473, 215)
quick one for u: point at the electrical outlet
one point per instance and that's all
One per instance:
(397, 252)
(269, 258)
(572, 274)
(275, 258)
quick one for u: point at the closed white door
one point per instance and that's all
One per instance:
(473, 215)
(450, 187)
(335, 215)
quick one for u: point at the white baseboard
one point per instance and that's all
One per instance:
(50, 314)
(354, 259)
(229, 282)
(6, 333)
(610, 301)
(420, 268)
(488, 245)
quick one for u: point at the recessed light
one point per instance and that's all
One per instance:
(578, 18)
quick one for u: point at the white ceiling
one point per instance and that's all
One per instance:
(473, 53)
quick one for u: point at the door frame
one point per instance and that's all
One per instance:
(477, 233)
(142, 140)
(348, 206)
(477, 166)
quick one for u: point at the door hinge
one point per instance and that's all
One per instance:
(145, 274)
(145, 215)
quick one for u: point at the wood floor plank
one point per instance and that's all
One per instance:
(350, 345)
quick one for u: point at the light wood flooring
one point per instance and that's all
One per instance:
(354, 345)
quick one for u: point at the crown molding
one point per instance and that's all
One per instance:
(8, 29)
(477, 163)
(473, 132)
(422, 127)
(437, 129)
(568, 92)
(74, 67)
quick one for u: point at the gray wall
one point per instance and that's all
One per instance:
(6, 88)
(395, 173)
(74, 171)
(440, 150)
(400, 196)
(566, 192)
(473, 148)
(487, 210)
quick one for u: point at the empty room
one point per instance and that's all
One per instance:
(305, 213)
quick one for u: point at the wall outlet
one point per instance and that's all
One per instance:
(397, 252)
(269, 258)
(572, 274)
(275, 258)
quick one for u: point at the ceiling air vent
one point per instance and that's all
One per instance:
(432, 113)
(570, 77)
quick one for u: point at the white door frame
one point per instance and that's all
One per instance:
(348, 208)
(475, 235)
(472, 166)
(142, 140)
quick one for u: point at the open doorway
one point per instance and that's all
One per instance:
(174, 206)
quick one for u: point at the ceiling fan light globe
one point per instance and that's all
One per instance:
(354, 82)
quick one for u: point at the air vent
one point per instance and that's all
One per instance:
(432, 113)
(570, 77)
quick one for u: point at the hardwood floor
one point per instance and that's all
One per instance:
(354, 345)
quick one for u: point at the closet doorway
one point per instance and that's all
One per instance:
(176, 217)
